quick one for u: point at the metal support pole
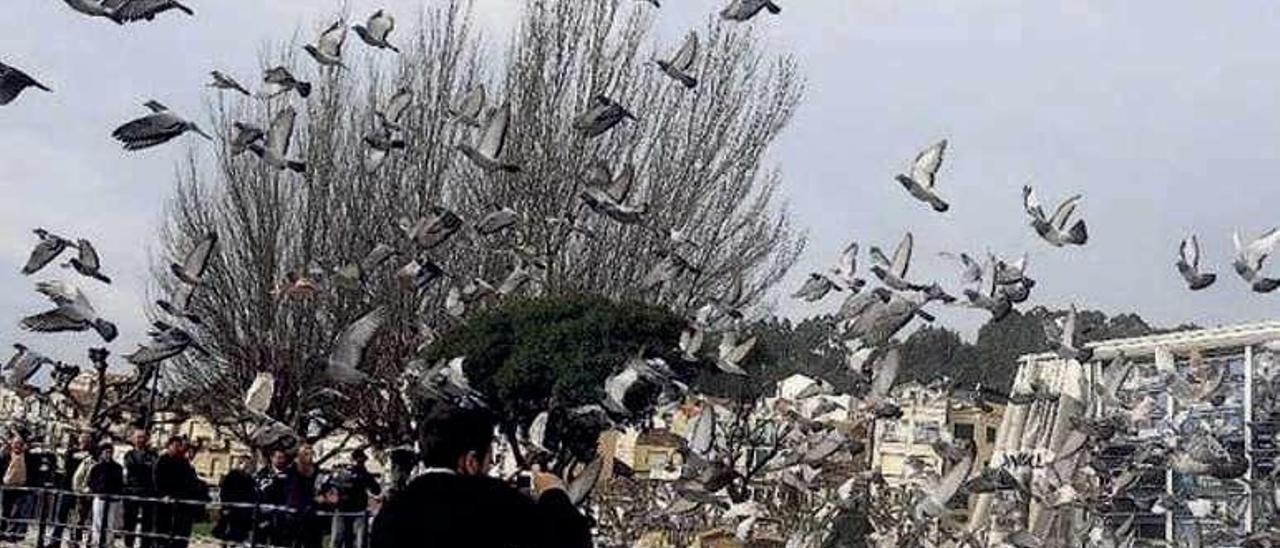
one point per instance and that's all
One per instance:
(1248, 438)
(42, 500)
(253, 526)
(102, 525)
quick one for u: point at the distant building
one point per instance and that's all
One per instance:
(1245, 417)
(903, 448)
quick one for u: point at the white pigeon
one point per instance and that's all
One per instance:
(193, 266)
(261, 390)
(1250, 258)
(924, 174)
(733, 352)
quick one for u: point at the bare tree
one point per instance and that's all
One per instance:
(698, 154)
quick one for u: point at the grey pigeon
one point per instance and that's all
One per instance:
(670, 266)
(167, 341)
(470, 109)
(343, 360)
(924, 174)
(137, 10)
(496, 221)
(279, 136)
(732, 352)
(815, 288)
(191, 270)
(159, 127)
(222, 81)
(284, 81)
(1054, 229)
(989, 298)
(46, 250)
(680, 67)
(360, 271)
(603, 114)
(1189, 265)
(1064, 339)
(23, 366)
(179, 304)
(894, 272)
(1250, 258)
(13, 81)
(94, 8)
(487, 154)
(328, 47)
(72, 313)
(742, 10)
(88, 263)
(375, 31)
(242, 136)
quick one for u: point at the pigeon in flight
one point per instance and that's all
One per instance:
(742, 10)
(179, 305)
(1054, 229)
(375, 31)
(222, 81)
(242, 136)
(666, 270)
(1189, 265)
(328, 48)
(971, 270)
(94, 8)
(167, 341)
(13, 81)
(23, 366)
(278, 138)
(816, 288)
(1249, 259)
(603, 114)
(283, 81)
(137, 10)
(894, 272)
(733, 352)
(261, 390)
(47, 249)
(159, 127)
(344, 359)
(493, 140)
(471, 108)
(72, 313)
(496, 221)
(389, 116)
(989, 298)
(1065, 340)
(193, 266)
(360, 271)
(680, 66)
(87, 263)
(924, 174)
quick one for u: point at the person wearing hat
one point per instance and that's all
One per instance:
(354, 485)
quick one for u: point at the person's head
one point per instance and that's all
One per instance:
(279, 458)
(85, 441)
(241, 462)
(358, 457)
(140, 438)
(176, 446)
(17, 443)
(458, 439)
(306, 455)
(106, 451)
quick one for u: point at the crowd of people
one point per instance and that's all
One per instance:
(152, 498)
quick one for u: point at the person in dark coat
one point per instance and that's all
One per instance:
(270, 480)
(106, 483)
(455, 503)
(236, 487)
(353, 486)
(139, 481)
(175, 479)
(19, 473)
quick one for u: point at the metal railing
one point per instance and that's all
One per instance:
(48, 518)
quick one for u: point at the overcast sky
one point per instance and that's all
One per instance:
(1163, 114)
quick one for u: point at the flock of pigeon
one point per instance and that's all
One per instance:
(869, 318)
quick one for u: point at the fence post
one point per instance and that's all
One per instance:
(101, 522)
(41, 499)
(253, 526)
(4, 526)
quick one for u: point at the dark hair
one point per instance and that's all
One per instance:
(449, 432)
(175, 440)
